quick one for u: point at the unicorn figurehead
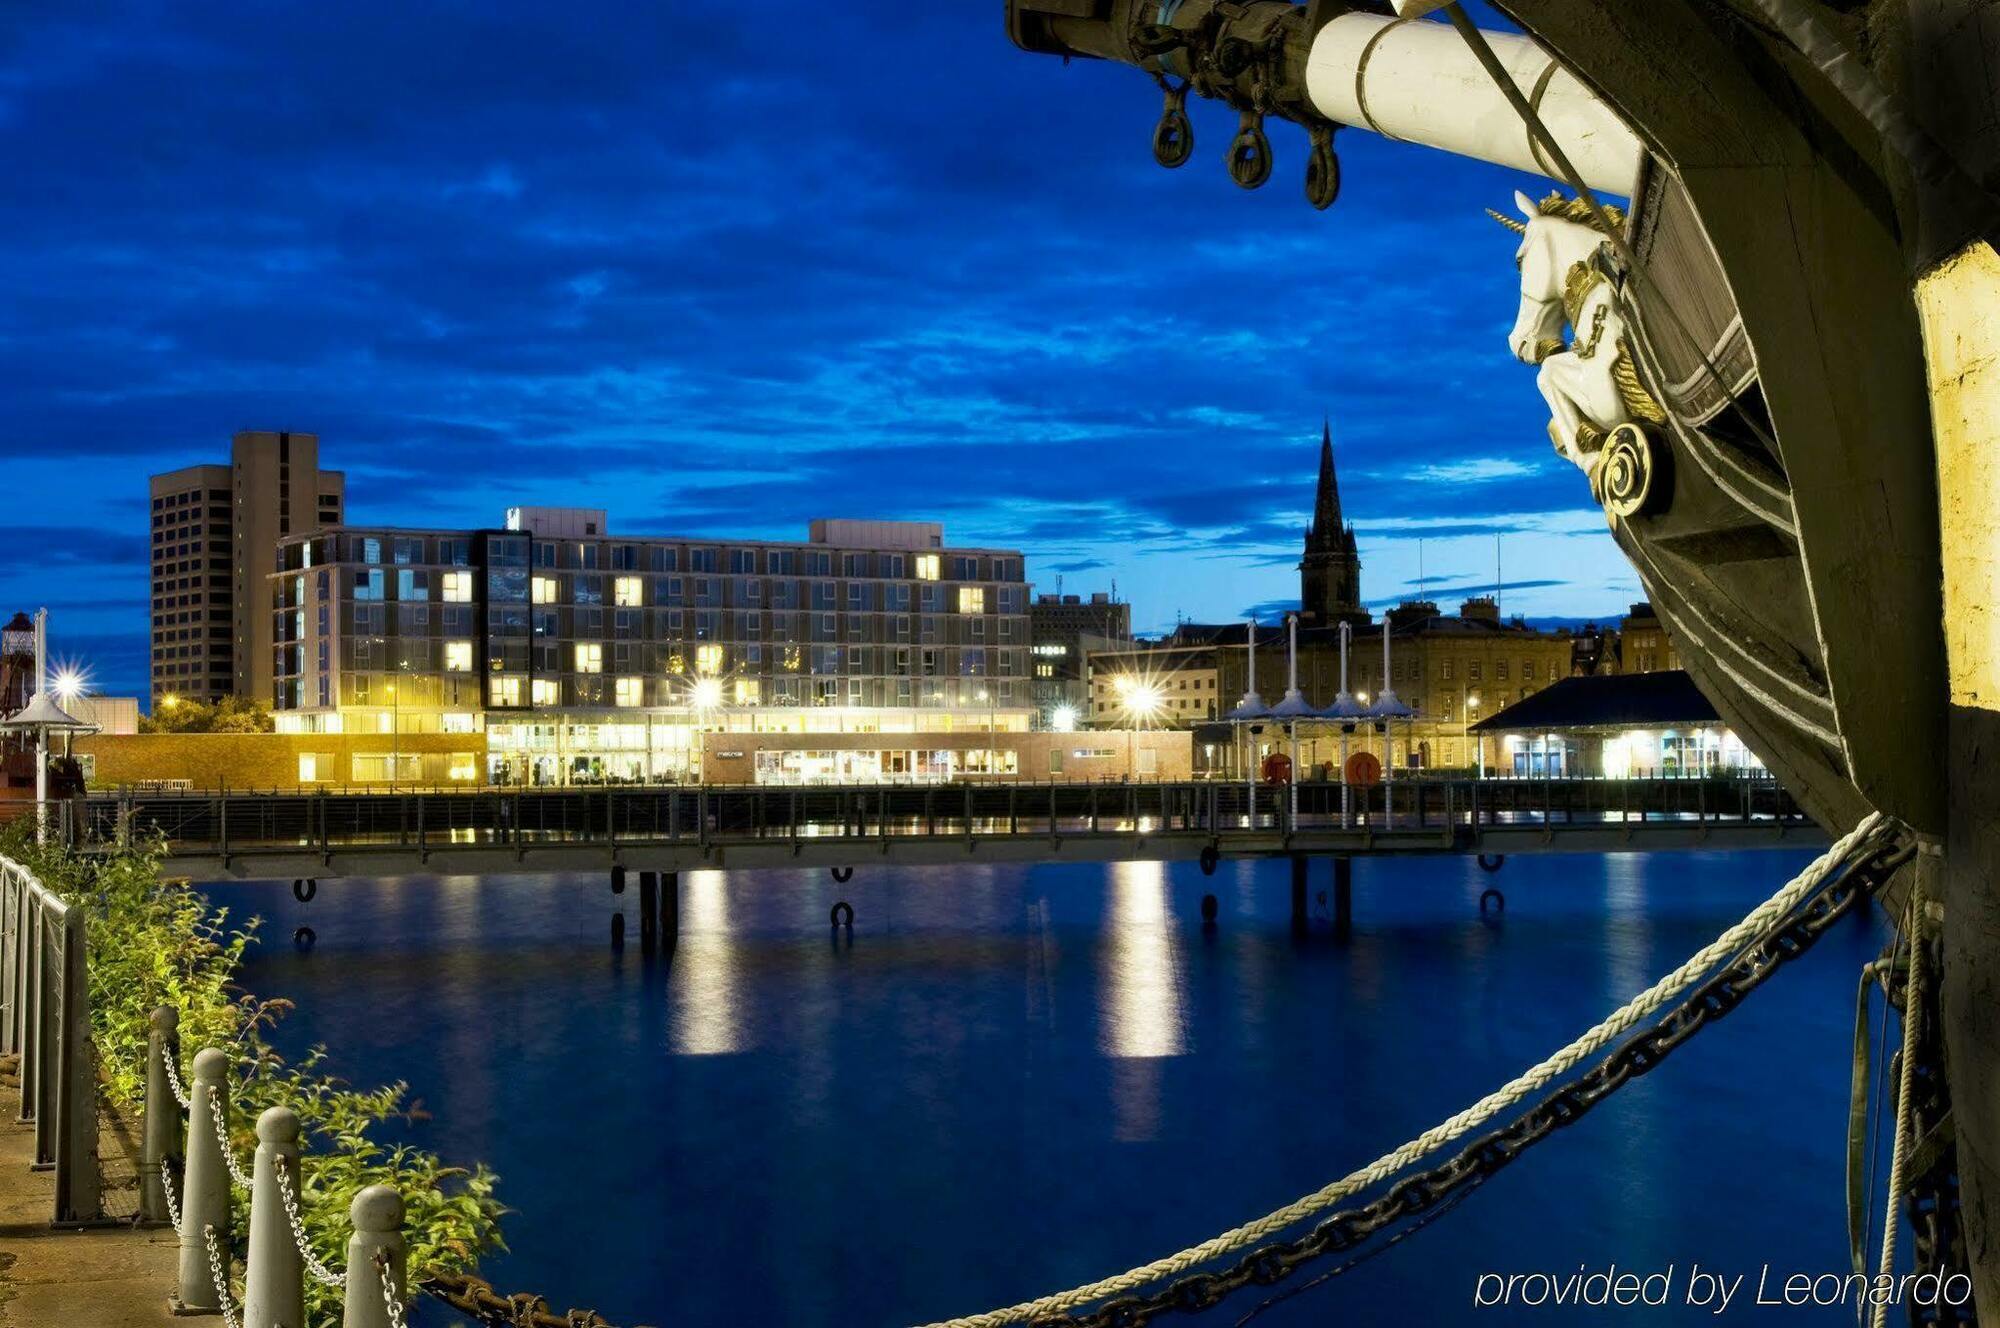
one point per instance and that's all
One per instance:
(1564, 285)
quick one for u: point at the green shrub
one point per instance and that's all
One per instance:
(153, 942)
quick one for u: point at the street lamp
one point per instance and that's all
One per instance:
(1141, 701)
(1471, 712)
(1063, 719)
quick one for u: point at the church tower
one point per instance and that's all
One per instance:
(1330, 572)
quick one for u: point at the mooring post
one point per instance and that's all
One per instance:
(274, 1278)
(377, 1217)
(1299, 892)
(649, 907)
(1343, 895)
(163, 1113)
(205, 1187)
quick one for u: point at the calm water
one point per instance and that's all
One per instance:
(1015, 1079)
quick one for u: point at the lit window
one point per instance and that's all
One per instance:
(457, 587)
(747, 691)
(589, 657)
(625, 592)
(708, 659)
(631, 691)
(308, 767)
(927, 567)
(464, 767)
(544, 590)
(972, 599)
(545, 692)
(503, 692)
(458, 657)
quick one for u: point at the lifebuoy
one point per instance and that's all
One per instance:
(1498, 900)
(1211, 858)
(1492, 861)
(843, 914)
(842, 874)
(304, 937)
(304, 890)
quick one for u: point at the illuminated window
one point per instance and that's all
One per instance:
(631, 691)
(626, 593)
(708, 659)
(464, 767)
(544, 590)
(308, 767)
(545, 692)
(677, 663)
(927, 567)
(501, 692)
(589, 657)
(747, 691)
(458, 657)
(972, 599)
(456, 587)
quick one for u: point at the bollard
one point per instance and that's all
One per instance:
(205, 1188)
(274, 1278)
(377, 1215)
(163, 1113)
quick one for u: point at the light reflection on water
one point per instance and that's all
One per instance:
(1011, 1080)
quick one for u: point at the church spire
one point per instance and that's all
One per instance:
(1326, 523)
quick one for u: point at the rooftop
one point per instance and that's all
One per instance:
(1623, 700)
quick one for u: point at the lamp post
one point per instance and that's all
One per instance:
(1471, 710)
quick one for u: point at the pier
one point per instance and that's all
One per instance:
(294, 834)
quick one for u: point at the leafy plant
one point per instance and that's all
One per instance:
(153, 942)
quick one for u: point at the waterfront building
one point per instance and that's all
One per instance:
(1330, 568)
(1643, 643)
(1153, 684)
(1062, 629)
(584, 656)
(1655, 724)
(215, 532)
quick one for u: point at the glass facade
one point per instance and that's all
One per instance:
(598, 657)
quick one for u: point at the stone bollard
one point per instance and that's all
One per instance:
(377, 1215)
(163, 1114)
(274, 1278)
(205, 1188)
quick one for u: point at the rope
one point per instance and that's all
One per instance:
(1872, 828)
(1912, 1013)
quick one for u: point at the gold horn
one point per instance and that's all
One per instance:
(1518, 227)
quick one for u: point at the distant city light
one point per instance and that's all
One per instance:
(70, 682)
(1063, 719)
(706, 693)
(1143, 699)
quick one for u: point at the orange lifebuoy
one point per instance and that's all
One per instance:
(1364, 768)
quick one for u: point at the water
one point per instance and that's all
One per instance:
(1017, 1079)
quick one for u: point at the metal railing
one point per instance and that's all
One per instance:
(46, 1023)
(223, 823)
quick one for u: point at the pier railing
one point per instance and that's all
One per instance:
(45, 1023)
(220, 824)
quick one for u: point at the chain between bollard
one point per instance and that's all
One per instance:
(286, 1195)
(174, 1084)
(236, 1172)
(167, 1188)
(391, 1303)
(217, 1270)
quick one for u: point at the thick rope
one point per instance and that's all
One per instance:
(1913, 993)
(1640, 1008)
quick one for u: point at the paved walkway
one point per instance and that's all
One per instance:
(109, 1277)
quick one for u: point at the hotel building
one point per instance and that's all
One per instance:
(214, 535)
(583, 656)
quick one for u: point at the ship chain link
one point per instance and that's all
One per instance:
(478, 1300)
(392, 1304)
(1422, 1192)
(322, 1274)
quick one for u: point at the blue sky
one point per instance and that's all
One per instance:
(721, 272)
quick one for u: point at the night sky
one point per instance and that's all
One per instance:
(722, 269)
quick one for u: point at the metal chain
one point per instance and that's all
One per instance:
(174, 1084)
(478, 1300)
(220, 1277)
(167, 1186)
(386, 1276)
(1418, 1193)
(322, 1274)
(236, 1172)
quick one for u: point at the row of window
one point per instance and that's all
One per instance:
(456, 551)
